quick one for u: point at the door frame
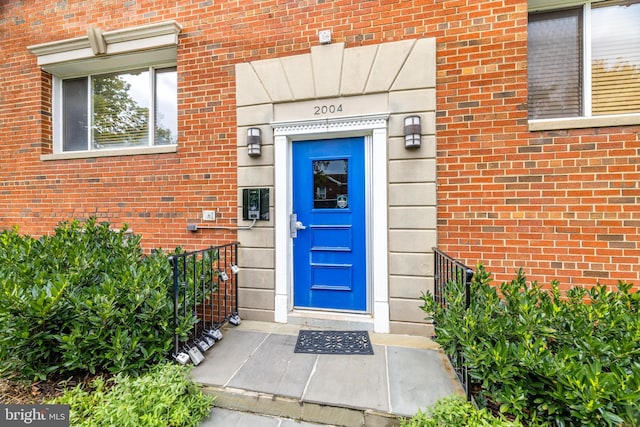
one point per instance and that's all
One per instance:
(359, 157)
(374, 130)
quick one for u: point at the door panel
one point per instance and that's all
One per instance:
(329, 254)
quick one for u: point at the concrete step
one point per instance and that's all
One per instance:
(221, 417)
(272, 405)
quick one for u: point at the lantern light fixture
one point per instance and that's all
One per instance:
(254, 142)
(412, 132)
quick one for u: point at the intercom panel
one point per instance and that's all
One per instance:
(255, 204)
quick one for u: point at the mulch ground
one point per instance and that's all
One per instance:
(23, 393)
(16, 393)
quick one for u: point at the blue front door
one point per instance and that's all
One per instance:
(329, 254)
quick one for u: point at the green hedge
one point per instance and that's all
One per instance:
(455, 411)
(545, 356)
(84, 299)
(164, 396)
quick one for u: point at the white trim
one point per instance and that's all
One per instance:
(368, 191)
(152, 105)
(90, 111)
(56, 114)
(156, 149)
(374, 128)
(284, 252)
(544, 5)
(157, 58)
(161, 29)
(321, 126)
(584, 122)
(379, 230)
(586, 60)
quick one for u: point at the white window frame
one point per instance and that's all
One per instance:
(587, 120)
(123, 50)
(57, 114)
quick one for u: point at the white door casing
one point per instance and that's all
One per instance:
(374, 129)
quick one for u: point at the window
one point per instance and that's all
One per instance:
(119, 110)
(584, 61)
(114, 92)
(331, 184)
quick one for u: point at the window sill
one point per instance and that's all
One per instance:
(584, 122)
(110, 153)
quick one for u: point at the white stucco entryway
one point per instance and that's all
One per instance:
(335, 92)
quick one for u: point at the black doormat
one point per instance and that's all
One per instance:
(333, 342)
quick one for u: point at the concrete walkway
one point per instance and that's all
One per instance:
(259, 380)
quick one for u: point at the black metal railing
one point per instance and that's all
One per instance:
(205, 297)
(446, 270)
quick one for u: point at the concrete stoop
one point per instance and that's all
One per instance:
(294, 409)
(255, 371)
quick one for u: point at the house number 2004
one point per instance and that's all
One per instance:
(326, 109)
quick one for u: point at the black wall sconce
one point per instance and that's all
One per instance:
(254, 142)
(412, 131)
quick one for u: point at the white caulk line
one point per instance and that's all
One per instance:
(386, 365)
(313, 371)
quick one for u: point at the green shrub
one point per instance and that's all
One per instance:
(164, 396)
(455, 411)
(83, 299)
(545, 356)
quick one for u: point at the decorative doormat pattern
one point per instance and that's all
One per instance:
(334, 342)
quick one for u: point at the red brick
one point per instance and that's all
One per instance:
(584, 171)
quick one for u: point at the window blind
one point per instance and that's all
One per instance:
(615, 58)
(75, 94)
(120, 110)
(555, 64)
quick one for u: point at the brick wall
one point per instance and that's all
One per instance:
(561, 204)
(564, 204)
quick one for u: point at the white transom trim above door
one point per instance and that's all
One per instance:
(374, 130)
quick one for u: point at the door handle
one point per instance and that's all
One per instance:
(295, 225)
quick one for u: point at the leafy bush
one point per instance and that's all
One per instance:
(545, 356)
(165, 396)
(83, 299)
(455, 411)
